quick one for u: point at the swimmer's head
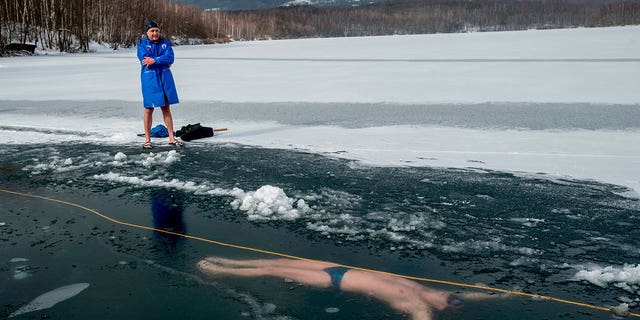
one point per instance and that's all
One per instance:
(440, 300)
(454, 302)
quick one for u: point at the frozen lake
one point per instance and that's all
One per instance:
(507, 159)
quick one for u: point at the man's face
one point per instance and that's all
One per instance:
(153, 34)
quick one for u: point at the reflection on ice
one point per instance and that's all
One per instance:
(167, 212)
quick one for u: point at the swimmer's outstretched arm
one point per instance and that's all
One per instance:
(481, 296)
(279, 263)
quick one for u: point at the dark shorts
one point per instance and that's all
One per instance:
(336, 274)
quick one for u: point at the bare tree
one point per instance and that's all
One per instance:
(71, 25)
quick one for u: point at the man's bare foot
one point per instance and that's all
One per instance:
(208, 267)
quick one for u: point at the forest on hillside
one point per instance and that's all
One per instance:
(71, 25)
(421, 17)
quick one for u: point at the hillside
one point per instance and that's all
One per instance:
(264, 4)
(53, 24)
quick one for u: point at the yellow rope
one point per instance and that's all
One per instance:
(456, 284)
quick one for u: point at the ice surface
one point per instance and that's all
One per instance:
(331, 310)
(51, 298)
(562, 103)
(569, 65)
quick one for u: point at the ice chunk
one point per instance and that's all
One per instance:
(51, 298)
(21, 273)
(621, 310)
(268, 308)
(172, 156)
(331, 310)
(120, 157)
(626, 277)
(153, 159)
(269, 203)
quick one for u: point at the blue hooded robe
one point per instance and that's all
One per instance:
(157, 80)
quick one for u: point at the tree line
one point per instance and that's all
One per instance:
(420, 17)
(70, 25)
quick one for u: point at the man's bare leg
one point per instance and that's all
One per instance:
(168, 121)
(480, 296)
(314, 278)
(148, 117)
(282, 263)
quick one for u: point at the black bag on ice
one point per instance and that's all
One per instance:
(194, 131)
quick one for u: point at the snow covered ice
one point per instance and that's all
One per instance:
(626, 277)
(531, 126)
(581, 82)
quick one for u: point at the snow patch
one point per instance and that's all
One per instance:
(266, 203)
(269, 203)
(189, 186)
(160, 158)
(51, 298)
(626, 277)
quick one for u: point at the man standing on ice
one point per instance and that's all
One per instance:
(158, 88)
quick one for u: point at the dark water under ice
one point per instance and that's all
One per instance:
(469, 226)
